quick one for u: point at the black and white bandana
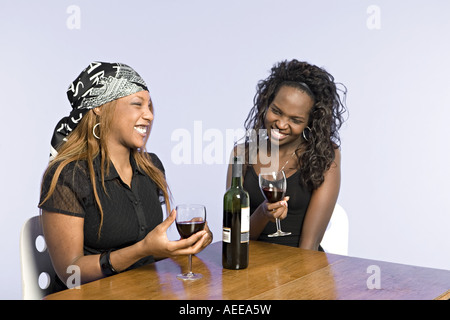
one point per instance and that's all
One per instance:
(99, 83)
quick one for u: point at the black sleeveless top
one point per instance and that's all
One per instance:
(297, 206)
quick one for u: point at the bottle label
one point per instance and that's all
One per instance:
(245, 219)
(245, 224)
(245, 237)
(245, 227)
(226, 235)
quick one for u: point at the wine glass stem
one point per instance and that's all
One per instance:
(278, 225)
(190, 264)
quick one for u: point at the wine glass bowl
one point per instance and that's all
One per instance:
(188, 228)
(190, 219)
(273, 186)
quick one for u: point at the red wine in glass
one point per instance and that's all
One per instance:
(188, 228)
(273, 194)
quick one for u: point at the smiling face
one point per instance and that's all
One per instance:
(131, 122)
(289, 114)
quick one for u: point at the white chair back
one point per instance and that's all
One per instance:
(335, 239)
(37, 268)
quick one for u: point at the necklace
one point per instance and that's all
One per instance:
(287, 161)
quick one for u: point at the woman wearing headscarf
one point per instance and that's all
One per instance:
(102, 193)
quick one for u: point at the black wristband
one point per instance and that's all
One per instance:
(105, 264)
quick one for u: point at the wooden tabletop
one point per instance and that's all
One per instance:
(274, 272)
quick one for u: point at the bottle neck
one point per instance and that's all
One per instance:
(236, 175)
(236, 182)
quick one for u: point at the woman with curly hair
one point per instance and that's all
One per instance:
(299, 108)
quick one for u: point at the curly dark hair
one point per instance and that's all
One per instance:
(325, 119)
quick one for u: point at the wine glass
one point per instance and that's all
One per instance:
(191, 218)
(273, 186)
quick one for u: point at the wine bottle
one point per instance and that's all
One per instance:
(236, 222)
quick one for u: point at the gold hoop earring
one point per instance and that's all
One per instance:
(93, 131)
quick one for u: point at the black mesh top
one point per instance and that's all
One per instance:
(128, 213)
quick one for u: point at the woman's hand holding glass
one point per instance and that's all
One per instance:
(276, 210)
(156, 242)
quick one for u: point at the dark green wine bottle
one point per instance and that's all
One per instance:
(236, 222)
